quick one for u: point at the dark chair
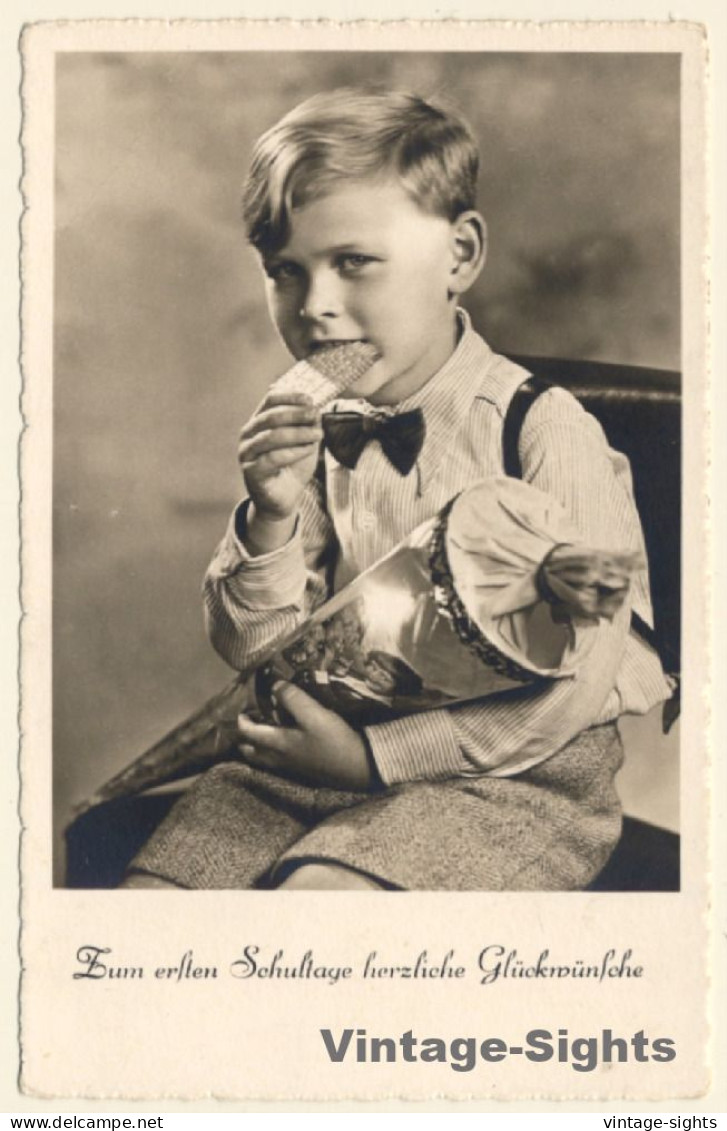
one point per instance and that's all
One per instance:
(101, 842)
(646, 858)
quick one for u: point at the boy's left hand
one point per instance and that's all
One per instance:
(321, 748)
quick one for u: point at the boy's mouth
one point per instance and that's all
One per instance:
(331, 343)
(342, 362)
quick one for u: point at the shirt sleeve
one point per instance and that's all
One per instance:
(564, 453)
(250, 601)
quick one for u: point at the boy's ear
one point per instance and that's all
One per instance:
(469, 246)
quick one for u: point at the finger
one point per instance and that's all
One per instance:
(621, 559)
(591, 585)
(261, 757)
(282, 416)
(576, 568)
(274, 438)
(281, 457)
(262, 735)
(273, 399)
(307, 711)
(601, 561)
(276, 461)
(591, 601)
(576, 596)
(593, 569)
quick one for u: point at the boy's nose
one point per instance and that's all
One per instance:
(322, 299)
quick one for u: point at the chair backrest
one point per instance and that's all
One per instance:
(640, 412)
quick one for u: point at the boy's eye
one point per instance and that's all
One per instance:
(354, 261)
(281, 272)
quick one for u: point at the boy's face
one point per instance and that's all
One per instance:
(378, 678)
(366, 263)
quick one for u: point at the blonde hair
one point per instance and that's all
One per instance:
(354, 133)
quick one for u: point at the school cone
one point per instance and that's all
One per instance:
(204, 738)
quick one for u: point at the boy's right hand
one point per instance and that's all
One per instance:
(277, 453)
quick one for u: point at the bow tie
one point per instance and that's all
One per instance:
(346, 434)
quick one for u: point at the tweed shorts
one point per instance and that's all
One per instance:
(550, 828)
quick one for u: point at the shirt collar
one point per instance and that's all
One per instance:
(472, 371)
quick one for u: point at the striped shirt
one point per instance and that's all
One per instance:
(362, 514)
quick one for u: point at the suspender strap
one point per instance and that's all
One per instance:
(645, 631)
(517, 410)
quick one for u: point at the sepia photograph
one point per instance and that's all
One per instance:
(546, 188)
(364, 532)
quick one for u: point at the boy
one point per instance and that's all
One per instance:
(362, 209)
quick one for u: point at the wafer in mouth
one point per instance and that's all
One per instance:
(330, 369)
